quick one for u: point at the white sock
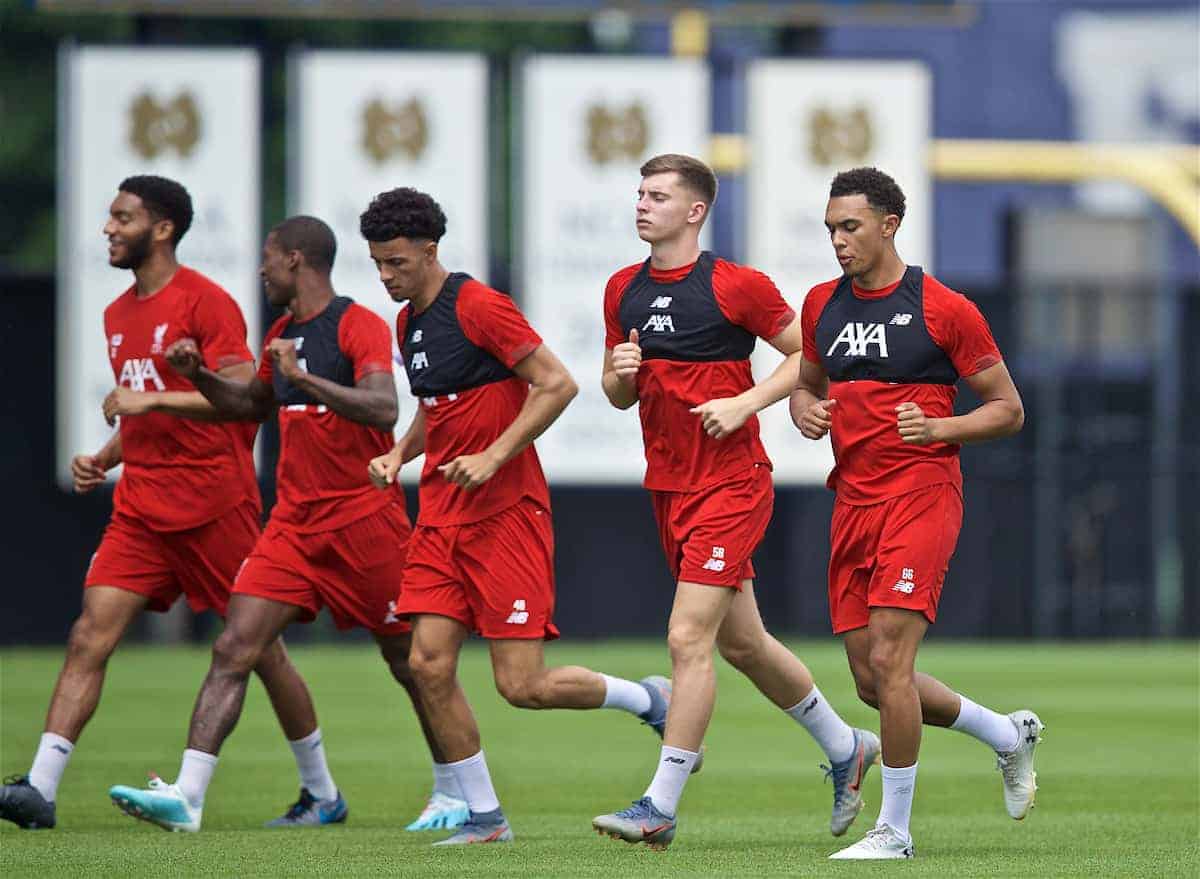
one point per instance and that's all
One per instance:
(445, 782)
(195, 773)
(674, 767)
(476, 783)
(834, 735)
(314, 771)
(898, 785)
(997, 730)
(49, 764)
(626, 695)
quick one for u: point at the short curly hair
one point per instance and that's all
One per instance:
(165, 199)
(882, 192)
(310, 236)
(403, 213)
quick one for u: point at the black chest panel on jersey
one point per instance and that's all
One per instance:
(438, 357)
(318, 351)
(881, 339)
(681, 320)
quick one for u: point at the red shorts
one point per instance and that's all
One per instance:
(354, 570)
(709, 535)
(200, 562)
(495, 576)
(892, 554)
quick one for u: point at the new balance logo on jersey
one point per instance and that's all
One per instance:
(416, 337)
(902, 319)
(661, 302)
(519, 615)
(420, 360)
(905, 584)
(136, 371)
(113, 344)
(858, 336)
(660, 323)
(160, 332)
(717, 562)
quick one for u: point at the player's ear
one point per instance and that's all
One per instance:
(891, 223)
(698, 213)
(431, 251)
(164, 230)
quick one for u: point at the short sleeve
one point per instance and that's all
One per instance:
(266, 367)
(614, 333)
(401, 326)
(809, 312)
(365, 339)
(492, 321)
(220, 330)
(751, 300)
(957, 327)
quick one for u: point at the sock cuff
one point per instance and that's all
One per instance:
(477, 757)
(313, 738)
(54, 739)
(897, 771)
(200, 756)
(805, 702)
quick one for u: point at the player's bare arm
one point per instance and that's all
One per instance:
(1001, 414)
(811, 411)
(235, 392)
(551, 388)
(372, 400)
(182, 404)
(87, 471)
(724, 415)
(383, 469)
(621, 365)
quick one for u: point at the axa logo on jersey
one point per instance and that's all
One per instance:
(420, 361)
(660, 323)
(137, 371)
(858, 337)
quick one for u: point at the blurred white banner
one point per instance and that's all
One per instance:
(365, 122)
(587, 125)
(806, 121)
(188, 114)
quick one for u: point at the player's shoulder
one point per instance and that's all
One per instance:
(819, 294)
(123, 301)
(474, 296)
(276, 329)
(358, 314)
(731, 269)
(198, 283)
(939, 297)
(619, 280)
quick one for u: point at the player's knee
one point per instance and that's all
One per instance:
(688, 643)
(89, 642)
(520, 692)
(887, 663)
(400, 667)
(430, 668)
(741, 653)
(866, 692)
(235, 655)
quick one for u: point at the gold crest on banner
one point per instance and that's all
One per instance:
(396, 130)
(614, 135)
(156, 128)
(838, 138)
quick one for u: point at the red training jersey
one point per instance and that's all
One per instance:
(179, 473)
(909, 342)
(459, 354)
(321, 480)
(696, 326)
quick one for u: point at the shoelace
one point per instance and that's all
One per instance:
(878, 837)
(1007, 764)
(637, 810)
(841, 781)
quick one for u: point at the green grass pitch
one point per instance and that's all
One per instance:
(1119, 784)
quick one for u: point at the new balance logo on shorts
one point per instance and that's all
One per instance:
(519, 615)
(717, 562)
(905, 584)
(390, 617)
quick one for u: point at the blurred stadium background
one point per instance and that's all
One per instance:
(1051, 153)
(1049, 150)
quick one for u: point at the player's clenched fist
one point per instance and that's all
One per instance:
(283, 353)
(722, 416)
(383, 469)
(627, 357)
(817, 419)
(914, 427)
(184, 357)
(86, 473)
(123, 401)
(470, 471)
